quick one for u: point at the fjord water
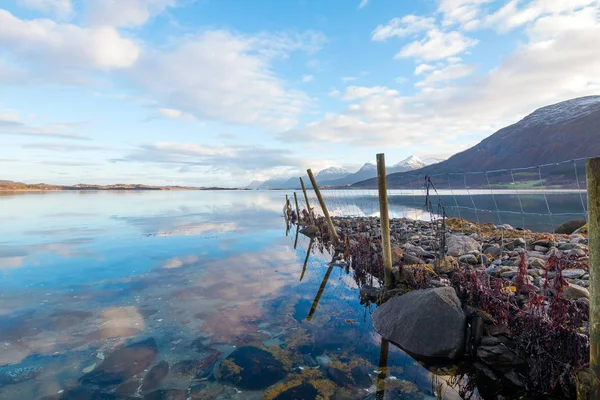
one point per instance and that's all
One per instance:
(200, 272)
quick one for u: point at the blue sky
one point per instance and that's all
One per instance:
(222, 92)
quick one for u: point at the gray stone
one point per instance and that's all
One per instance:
(573, 273)
(494, 250)
(541, 249)
(537, 262)
(426, 323)
(459, 245)
(468, 259)
(574, 292)
(570, 226)
(499, 357)
(566, 246)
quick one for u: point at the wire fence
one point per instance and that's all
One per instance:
(538, 198)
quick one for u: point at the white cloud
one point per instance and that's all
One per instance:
(54, 46)
(422, 68)
(400, 27)
(124, 12)
(349, 78)
(225, 76)
(462, 12)
(363, 3)
(512, 16)
(437, 45)
(551, 66)
(307, 78)
(60, 8)
(451, 72)
(172, 113)
(359, 92)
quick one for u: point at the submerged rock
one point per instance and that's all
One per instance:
(304, 391)
(12, 374)
(123, 363)
(167, 394)
(426, 323)
(185, 368)
(155, 375)
(251, 368)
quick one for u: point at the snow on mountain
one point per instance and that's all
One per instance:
(412, 162)
(562, 112)
(369, 166)
(432, 160)
(332, 173)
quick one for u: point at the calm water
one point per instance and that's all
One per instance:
(202, 273)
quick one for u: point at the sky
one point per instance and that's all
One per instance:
(223, 92)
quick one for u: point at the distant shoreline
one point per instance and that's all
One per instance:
(10, 186)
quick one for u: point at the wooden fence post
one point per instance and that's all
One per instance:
(384, 218)
(383, 366)
(315, 303)
(306, 199)
(322, 203)
(306, 259)
(593, 195)
(297, 209)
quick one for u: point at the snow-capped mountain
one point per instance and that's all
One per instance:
(331, 173)
(562, 112)
(552, 134)
(410, 163)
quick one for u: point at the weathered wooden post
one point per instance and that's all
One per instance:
(323, 206)
(384, 218)
(593, 195)
(297, 209)
(315, 303)
(383, 365)
(306, 199)
(306, 259)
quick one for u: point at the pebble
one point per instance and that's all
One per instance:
(89, 369)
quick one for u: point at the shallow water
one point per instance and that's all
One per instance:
(201, 273)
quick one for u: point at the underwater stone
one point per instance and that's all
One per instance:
(251, 368)
(155, 375)
(123, 363)
(304, 391)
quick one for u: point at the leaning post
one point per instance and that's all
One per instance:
(307, 203)
(593, 195)
(384, 217)
(323, 206)
(297, 209)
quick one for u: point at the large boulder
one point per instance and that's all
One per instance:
(459, 245)
(251, 368)
(570, 226)
(427, 323)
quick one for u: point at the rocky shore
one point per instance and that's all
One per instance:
(511, 302)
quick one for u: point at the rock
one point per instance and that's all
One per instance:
(499, 357)
(324, 360)
(576, 253)
(426, 323)
(447, 265)
(514, 378)
(155, 375)
(167, 394)
(17, 373)
(537, 262)
(304, 391)
(83, 393)
(485, 370)
(518, 243)
(368, 293)
(468, 259)
(185, 368)
(459, 245)
(573, 273)
(360, 375)
(309, 361)
(574, 292)
(89, 368)
(566, 246)
(310, 231)
(339, 377)
(396, 255)
(251, 368)
(542, 242)
(127, 389)
(409, 259)
(123, 364)
(570, 226)
(541, 249)
(494, 250)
